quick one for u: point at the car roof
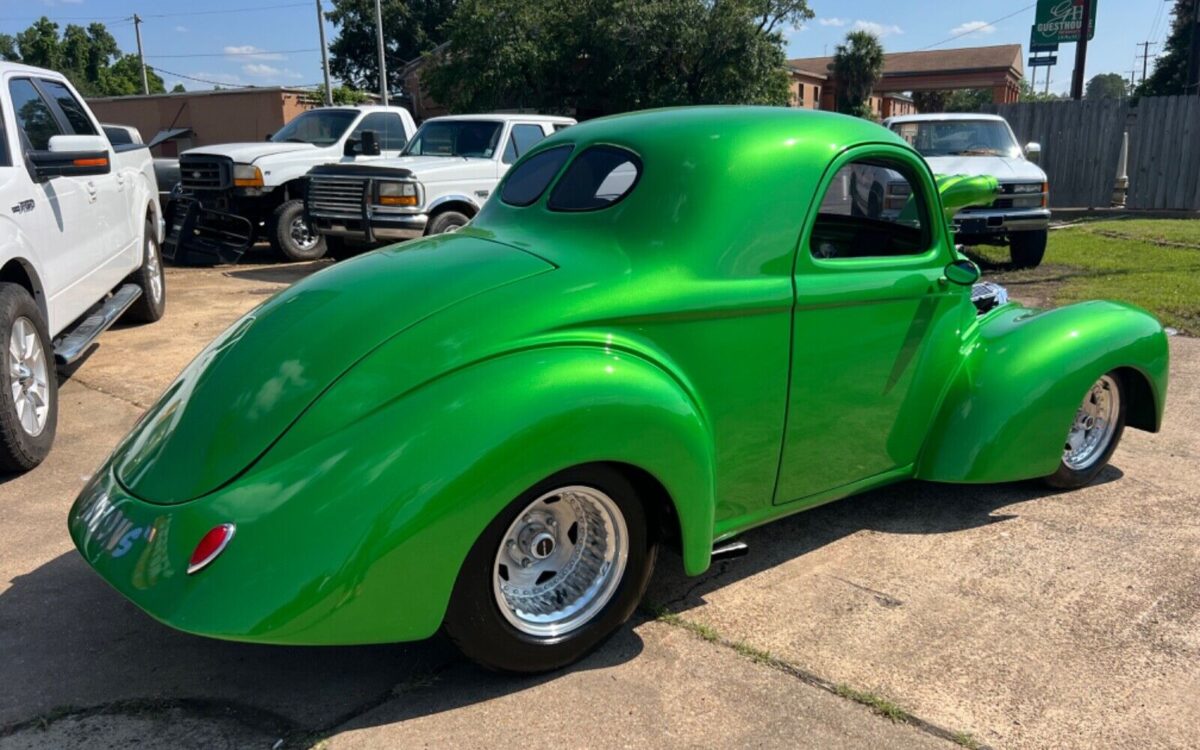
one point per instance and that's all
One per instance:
(506, 117)
(10, 67)
(934, 117)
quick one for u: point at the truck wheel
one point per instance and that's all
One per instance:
(447, 221)
(1094, 434)
(555, 574)
(150, 279)
(28, 384)
(1027, 248)
(291, 235)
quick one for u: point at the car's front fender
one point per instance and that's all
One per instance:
(1007, 410)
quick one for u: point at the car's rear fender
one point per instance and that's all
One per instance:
(1007, 410)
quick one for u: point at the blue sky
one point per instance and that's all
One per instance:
(268, 42)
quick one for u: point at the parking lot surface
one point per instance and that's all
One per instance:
(999, 615)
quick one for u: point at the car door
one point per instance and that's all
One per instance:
(70, 234)
(110, 195)
(522, 137)
(874, 329)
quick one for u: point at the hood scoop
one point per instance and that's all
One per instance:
(251, 384)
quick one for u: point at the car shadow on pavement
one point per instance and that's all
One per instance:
(70, 643)
(911, 507)
(278, 273)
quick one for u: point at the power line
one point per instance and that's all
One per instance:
(112, 19)
(972, 31)
(226, 84)
(253, 54)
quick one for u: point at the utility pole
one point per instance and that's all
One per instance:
(324, 55)
(137, 31)
(1081, 51)
(383, 84)
(1145, 55)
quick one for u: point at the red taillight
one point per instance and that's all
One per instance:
(211, 545)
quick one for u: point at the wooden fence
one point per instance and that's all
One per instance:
(1081, 144)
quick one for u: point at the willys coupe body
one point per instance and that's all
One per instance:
(665, 327)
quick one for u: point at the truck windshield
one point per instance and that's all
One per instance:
(320, 127)
(959, 138)
(470, 138)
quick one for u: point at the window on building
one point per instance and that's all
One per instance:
(873, 208)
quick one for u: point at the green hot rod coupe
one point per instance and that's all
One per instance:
(666, 327)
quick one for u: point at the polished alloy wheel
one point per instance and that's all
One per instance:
(29, 375)
(560, 561)
(1094, 425)
(302, 234)
(154, 269)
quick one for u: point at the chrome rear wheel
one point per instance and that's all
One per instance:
(1094, 426)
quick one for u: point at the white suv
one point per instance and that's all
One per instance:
(975, 144)
(437, 184)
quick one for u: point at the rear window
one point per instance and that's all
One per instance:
(528, 180)
(599, 177)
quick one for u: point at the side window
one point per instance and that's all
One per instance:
(598, 178)
(389, 126)
(526, 183)
(874, 208)
(34, 117)
(77, 116)
(522, 139)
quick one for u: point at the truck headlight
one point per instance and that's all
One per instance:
(247, 175)
(396, 194)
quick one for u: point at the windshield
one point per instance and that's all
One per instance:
(472, 138)
(320, 127)
(959, 138)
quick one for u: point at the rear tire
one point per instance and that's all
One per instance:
(514, 640)
(447, 221)
(151, 279)
(1027, 248)
(1094, 434)
(291, 236)
(28, 411)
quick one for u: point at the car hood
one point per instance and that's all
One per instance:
(1005, 169)
(251, 384)
(246, 153)
(429, 168)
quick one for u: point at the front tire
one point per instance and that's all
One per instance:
(291, 236)
(1027, 248)
(554, 574)
(1094, 434)
(28, 384)
(447, 221)
(150, 278)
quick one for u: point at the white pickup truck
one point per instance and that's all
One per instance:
(437, 184)
(79, 248)
(233, 193)
(975, 144)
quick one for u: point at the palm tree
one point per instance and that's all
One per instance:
(857, 67)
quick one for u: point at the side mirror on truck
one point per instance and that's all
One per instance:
(71, 156)
(1033, 152)
(367, 144)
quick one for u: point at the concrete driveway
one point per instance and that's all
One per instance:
(1006, 616)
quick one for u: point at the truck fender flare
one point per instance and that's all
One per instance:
(441, 201)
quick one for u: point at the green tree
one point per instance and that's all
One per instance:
(178, 89)
(857, 68)
(89, 57)
(410, 27)
(341, 95)
(1107, 86)
(596, 57)
(1170, 70)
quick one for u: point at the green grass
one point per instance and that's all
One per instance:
(876, 703)
(1087, 262)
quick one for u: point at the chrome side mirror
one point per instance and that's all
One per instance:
(1033, 152)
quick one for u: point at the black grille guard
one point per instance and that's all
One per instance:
(200, 236)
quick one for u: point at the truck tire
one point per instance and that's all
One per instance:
(1027, 248)
(291, 236)
(150, 279)
(28, 382)
(447, 221)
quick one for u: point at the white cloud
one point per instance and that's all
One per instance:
(972, 27)
(250, 52)
(259, 70)
(880, 30)
(839, 22)
(181, 29)
(217, 77)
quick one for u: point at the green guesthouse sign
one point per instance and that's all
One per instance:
(1059, 22)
